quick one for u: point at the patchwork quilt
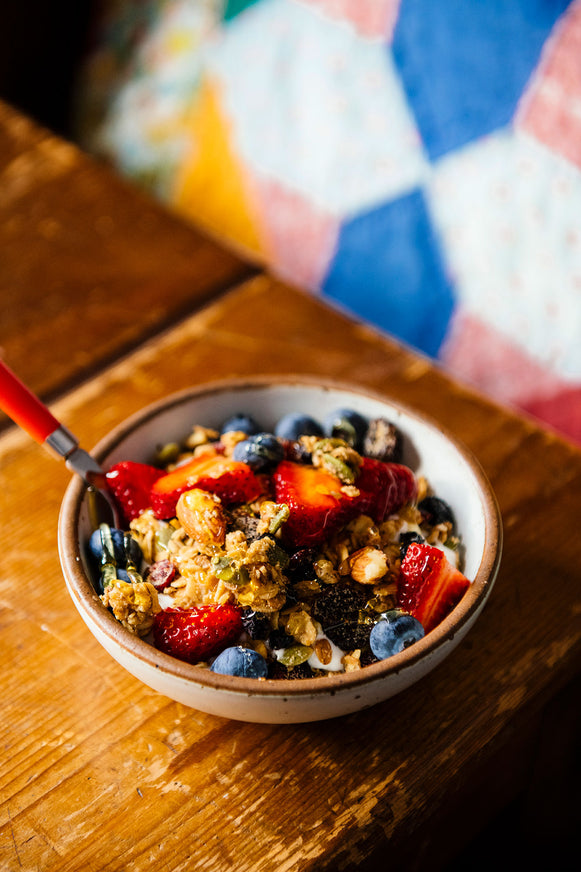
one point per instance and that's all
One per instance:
(416, 162)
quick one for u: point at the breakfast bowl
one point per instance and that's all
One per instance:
(432, 455)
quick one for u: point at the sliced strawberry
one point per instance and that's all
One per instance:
(384, 488)
(317, 505)
(130, 483)
(429, 586)
(196, 634)
(231, 480)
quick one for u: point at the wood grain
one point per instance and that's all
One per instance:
(101, 774)
(89, 267)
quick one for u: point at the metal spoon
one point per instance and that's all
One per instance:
(26, 410)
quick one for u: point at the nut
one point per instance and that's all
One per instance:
(202, 517)
(368, 565)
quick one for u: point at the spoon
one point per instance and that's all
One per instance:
(26, 410)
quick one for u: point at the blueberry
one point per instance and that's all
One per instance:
(293, 425)
(241, 422)
(123, 575)
(96, 550)
(395, 632)
(240, 661)
(348, 425)
(406, 539)
(261, 452)
(435, 511)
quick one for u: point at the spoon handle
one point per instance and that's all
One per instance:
(24, 408)
(34, 418)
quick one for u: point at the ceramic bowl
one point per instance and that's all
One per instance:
(450, 468)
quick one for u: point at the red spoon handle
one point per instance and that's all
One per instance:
(24, 408)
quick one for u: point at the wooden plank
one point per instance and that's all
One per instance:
(101, 774)
(89, 267)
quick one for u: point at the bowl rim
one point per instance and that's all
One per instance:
(88, 603)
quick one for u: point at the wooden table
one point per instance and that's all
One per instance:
(99, 772)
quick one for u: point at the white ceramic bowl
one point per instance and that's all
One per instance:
(452, 471)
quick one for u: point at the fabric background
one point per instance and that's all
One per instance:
(418, 163)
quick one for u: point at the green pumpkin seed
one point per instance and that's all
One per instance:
(295, 655)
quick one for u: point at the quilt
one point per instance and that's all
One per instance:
(416, 163)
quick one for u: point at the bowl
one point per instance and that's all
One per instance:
(454, 473)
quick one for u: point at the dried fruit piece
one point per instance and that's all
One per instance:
(429, 586)
(383, 441)
(161, 574)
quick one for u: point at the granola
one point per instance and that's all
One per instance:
(303, 540)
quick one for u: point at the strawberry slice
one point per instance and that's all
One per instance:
(130, 483)
(429, 586)
(384, 487)
(197, 634)
(231, 480)
(317, 505)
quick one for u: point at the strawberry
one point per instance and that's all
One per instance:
(384, 487)
(197, 634)
(130, 483)
(317, 505)
(429, 586)
(231, 480)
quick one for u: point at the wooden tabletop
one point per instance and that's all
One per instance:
(87, 261)
(100, 773)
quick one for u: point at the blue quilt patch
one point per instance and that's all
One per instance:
(464, 63)
(388, 268)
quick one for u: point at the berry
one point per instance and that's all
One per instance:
(348, 425)
(316, 503)
(256, 624)
(384, 488)
(232, 481)
(395, 632)
(406, 539)
(240, 661)
(196, 634)
(161, 574)
(96, 548)
(429, 587)
(279, 639)
(435, 511)
(242, 423)
(301, 564)
(297, 452)
(293, 425)
(131, 483)
(261, 452)
(383, 441)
